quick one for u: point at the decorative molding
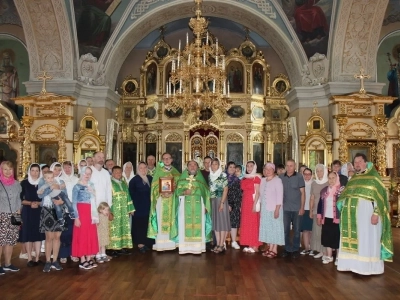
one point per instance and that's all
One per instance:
(173, 137)
(46, 133)
(88, 70)
(234, 138)
(360, 131)
(316, 72)
(356, 38)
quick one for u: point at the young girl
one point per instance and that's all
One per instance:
(103, 231)
(328, 216)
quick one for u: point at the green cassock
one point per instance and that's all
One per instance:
(193, 208)
(166, 208)
(122, 205)
(368, 186)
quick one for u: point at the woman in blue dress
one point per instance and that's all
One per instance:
(30, 234)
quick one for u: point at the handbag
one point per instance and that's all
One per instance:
(15, 218)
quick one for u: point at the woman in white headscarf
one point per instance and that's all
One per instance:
(321, 181)
(30, 234)
(250, 218)
(70, 179)
(347, 170)
(221, 223)
(127, 172)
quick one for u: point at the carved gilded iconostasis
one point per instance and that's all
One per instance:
(252, 128)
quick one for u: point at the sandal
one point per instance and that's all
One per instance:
(92, 264)
(215, 249)
(266, 253)
(74, 259)
(63, 260)
(85, 265)
(220, 249)
(272, 254)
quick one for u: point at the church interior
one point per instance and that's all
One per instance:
(262, 80)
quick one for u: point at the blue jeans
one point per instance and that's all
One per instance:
(294, 218)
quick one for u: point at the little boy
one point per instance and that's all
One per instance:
(46, 190)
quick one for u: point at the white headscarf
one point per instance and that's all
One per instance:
(130, 175)
(64, 175)
(214, 175)
(345, 169)
(30, 179)
(53, 165)
(324, 177)
(253, 172)
(93, 207)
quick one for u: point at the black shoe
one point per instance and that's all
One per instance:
(295, 254)
(124, 252)
(142, 249)
(114, 254)
(32, 263)
(285, 254)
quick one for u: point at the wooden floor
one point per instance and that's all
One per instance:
(233, 275)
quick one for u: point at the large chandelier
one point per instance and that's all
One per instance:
(198, 77)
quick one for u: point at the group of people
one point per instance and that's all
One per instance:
(74, 216)
(342, 212)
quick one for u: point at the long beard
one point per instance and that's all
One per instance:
(192, 173)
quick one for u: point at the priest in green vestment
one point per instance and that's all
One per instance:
(191, 224)
(122, 208)
(365, 229)
(161, 205)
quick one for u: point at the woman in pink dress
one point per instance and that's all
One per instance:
(250, 219)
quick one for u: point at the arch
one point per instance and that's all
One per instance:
(249, 17)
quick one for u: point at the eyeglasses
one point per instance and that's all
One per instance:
(307, 174)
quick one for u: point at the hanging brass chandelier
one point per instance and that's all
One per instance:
(198, 76)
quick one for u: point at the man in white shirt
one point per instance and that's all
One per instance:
(101, 180)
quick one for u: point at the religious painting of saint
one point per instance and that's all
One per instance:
(166, 184)
(258, 156)
(3, 125)
(258, 112)
(46, 153)
(175, 149)
(234, 152)
(95, 21)
(129, 152)
(311, 20)
(151, 79)
(150, 113)
(315, 157)
(236, 111)
(8, 77)
(258, 79)
(234, 72)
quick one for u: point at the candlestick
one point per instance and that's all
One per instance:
(187, 38)
(216, 46)
(228, 90)
(214, 86)
(204, 58)
(189, 59)
(207, 39)
(179, 48)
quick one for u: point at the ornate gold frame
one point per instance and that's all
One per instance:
(369, 146)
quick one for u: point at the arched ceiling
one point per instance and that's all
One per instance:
(267, 23)
(214, 23)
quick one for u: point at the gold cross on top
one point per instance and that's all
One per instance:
(362, 76)
(190, 179)
(44, 77)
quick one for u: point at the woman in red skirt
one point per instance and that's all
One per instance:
(85, 243)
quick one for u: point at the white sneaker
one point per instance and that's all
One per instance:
(42, 249)
(324, 257)
(235, 245)
(319, 255)
(327, 260)
(250, 250)
(312, 253)
(245, 249)
(23, 255)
